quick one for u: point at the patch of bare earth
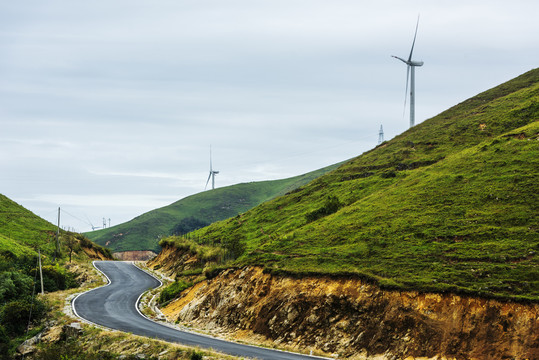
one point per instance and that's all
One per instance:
(355, 320)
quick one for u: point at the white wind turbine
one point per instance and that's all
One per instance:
(411, 65)
(212, 175)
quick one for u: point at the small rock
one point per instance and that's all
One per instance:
(72, 330)
(24, 349)
(29, 346)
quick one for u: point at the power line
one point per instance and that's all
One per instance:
(76, 218)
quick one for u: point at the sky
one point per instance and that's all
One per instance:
(108, 108)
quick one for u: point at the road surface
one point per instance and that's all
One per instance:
(115, 306)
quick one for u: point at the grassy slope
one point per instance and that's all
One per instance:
(21, 231)
(144, 231)
(449, 205)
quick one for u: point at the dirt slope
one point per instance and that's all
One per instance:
(357, 320)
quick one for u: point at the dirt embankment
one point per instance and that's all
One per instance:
(170, 261)
(92, 253)
(357, 320)
(134, 255)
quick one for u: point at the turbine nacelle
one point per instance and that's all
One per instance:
(409, 62)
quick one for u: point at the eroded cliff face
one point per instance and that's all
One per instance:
(357, 320)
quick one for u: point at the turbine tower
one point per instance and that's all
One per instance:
(212, 175)
(411, 65)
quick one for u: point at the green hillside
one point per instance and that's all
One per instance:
(450, 205)
(196, 211)
(21, 231)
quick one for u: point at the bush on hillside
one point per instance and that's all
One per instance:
(172, 291)
(57, 278)
(14, 285)
(187, 225)
(332, 205)
(196, 355)
(234, 246)
(14, 315)
(4, 343)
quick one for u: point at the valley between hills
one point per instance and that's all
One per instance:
(424, 247)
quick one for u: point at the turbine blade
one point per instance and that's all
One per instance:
(413, 43)
(406, 92)
(205, 187)
(401, 59)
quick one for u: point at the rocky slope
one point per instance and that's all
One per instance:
(357, 320)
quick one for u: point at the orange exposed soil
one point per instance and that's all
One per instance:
(93, 254)
(357, 320)
(171, 261)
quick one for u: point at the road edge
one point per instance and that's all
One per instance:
(87, 291)
(171, 326)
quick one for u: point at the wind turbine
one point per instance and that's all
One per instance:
(411, 65)
(212, 175)
(92, 225)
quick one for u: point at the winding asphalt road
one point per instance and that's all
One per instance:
(115, 306)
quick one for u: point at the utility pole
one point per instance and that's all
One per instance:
(109, 222)
(104, 223)
(40, 272)
(57, 252)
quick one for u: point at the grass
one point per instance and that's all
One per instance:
(22, 234)
(8, 246)
(145, 231)
(21, 231)
(450, 205)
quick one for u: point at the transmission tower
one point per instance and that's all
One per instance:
(381, 135)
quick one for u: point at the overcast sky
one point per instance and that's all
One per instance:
(108, 108)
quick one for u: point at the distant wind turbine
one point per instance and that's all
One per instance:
(92, 225)
(211, 176)
(411, 65)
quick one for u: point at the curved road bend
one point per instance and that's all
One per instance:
(114, 306)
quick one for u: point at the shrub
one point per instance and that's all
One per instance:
(234, 246)
(196, 355)
(332, 205)
(15, 314)
(171, 291)
(4, 343)
(57, 278)
(14, 285)
(187, 225)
